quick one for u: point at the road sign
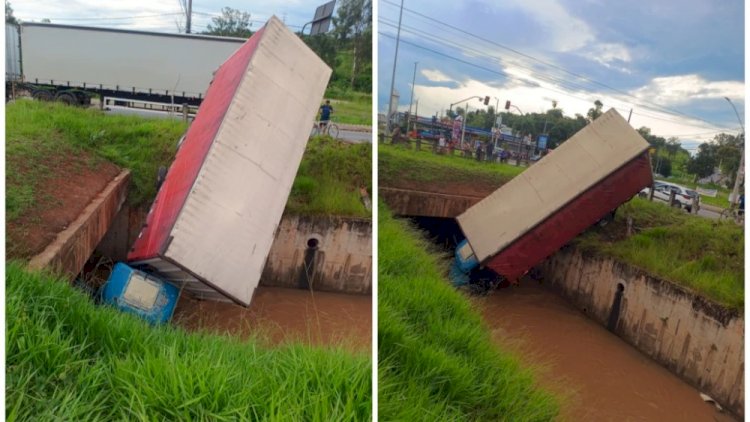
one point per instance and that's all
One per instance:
(541, 141)
(322, 20)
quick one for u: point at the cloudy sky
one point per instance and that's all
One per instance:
(671, 61)
(159, 15)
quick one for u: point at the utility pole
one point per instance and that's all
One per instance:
(395, 60)
(189, 16)
(411, 100)
(741, 168)
(463, 127)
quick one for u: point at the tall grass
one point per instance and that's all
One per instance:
(329, 179)
(397, 163)
(67, 359)
(704, 255)
(331, 172)
(436, 358)
(37, 132)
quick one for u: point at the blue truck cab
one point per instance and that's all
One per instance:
(139, 293)
(464, 261)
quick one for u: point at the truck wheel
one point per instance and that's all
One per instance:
(67, 98)
(42, 95)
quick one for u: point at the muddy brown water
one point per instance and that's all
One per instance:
(604, 378)
(280, 314)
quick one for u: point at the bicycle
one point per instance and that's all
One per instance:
(734, 213)
(329, 128)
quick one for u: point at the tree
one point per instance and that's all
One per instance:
(9, 18)
(353, 28)
(595, 112)
(704, 162)
(231, 23)
(324, 45)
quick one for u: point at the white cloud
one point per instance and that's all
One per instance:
(683, 89)
(435, 75)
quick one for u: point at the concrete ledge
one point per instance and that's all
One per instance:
(73, 246)
(426, 204)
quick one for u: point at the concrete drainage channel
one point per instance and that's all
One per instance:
(698, 341)
(327, 255)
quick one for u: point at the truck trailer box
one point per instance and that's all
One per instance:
(134, 62)
(537, 212)
(211, 226)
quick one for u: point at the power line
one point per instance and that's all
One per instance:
(501, 73)
(653, 105)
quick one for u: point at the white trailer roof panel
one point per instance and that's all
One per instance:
(575, 166)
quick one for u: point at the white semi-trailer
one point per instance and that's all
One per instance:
(70, 63)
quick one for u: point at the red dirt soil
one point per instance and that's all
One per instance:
(280, 315)
(72, 182)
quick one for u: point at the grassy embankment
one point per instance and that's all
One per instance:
(349, 107)
(68, 359)
(436, 357)
(701, 254)
(37, 133)
(396, 163)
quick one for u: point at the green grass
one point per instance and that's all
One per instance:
(329, 178)
(354, 109)
(706, 256)
(36, 132)
(437, 360)
(67, 359)
(396, 163)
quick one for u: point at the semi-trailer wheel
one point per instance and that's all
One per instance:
(66, 98)
(42, 95)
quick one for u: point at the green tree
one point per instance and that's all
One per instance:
(231, 23)
(595, 112)
(9, 18)
(704, 162)
(353, 28)
(324, 45)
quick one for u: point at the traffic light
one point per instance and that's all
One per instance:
(507, 105)
(486, 100)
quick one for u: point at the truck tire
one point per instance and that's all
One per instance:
(67, 98)
(42, 95)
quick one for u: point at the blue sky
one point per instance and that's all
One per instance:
(673, 62)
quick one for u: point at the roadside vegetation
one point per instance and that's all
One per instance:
(330, 177)
(397, 164)
(704, 255)
(39, 133)
(437, 360)
(68, 359)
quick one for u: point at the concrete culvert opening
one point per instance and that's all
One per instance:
(620, 287)
(313, 243)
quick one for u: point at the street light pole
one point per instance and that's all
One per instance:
(411, 100)
(741, 168)
(393, 75)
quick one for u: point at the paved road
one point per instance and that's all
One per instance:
(344, 135)
(352, 136)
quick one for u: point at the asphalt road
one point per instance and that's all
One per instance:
(352, 136)
(344, 135)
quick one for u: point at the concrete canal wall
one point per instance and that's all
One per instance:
(699, 340)
(326, 253)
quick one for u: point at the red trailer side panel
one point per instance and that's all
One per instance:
(190, 157)
(575, 217)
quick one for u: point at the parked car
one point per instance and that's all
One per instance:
(683, 196)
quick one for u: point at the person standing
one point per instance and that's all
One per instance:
(325, 114)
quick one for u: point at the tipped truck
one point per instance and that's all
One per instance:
(578, 184)
(211, 226)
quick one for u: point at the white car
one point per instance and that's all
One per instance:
(683, 196)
